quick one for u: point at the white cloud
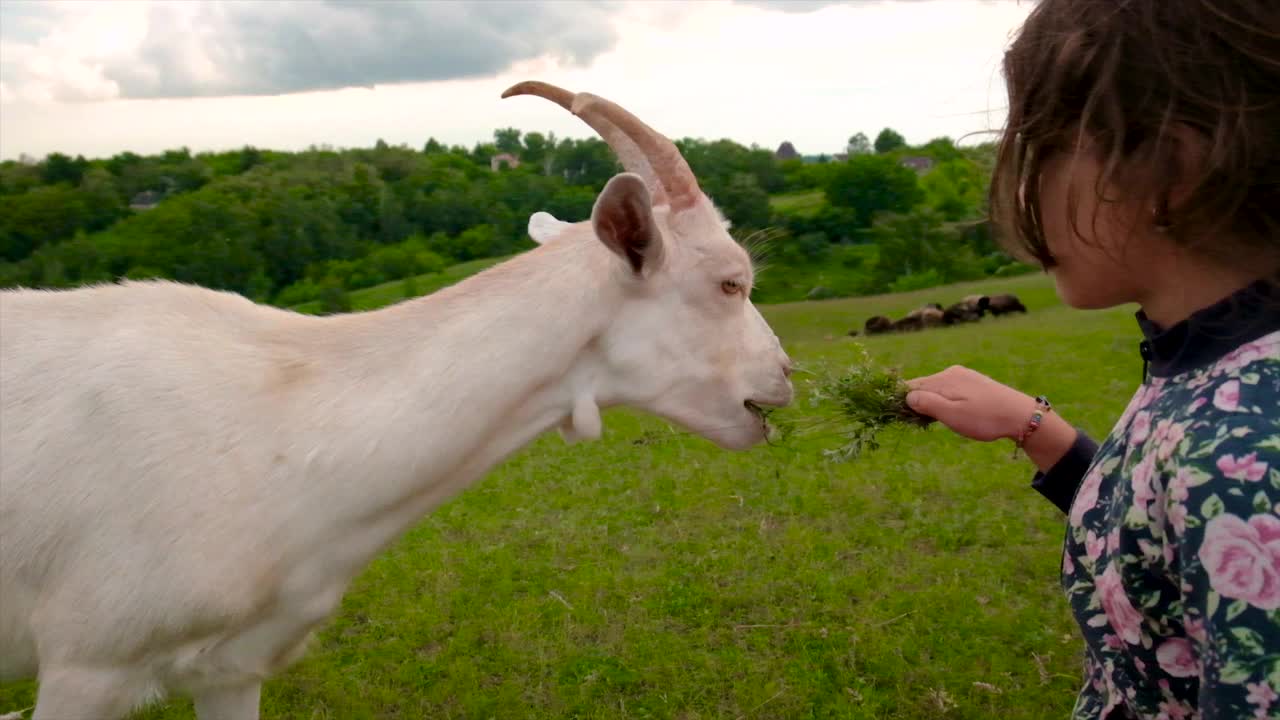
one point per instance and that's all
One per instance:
(708, 69)
(95, 51)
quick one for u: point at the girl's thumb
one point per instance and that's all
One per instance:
(927, 403)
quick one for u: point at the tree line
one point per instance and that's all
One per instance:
(294, 227)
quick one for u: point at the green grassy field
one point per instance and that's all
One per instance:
(804, 204)
(651, 575)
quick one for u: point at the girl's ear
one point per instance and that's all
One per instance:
(1185, 159)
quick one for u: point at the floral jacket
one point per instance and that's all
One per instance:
(1172, 554)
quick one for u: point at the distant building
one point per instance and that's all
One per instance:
(145, 200)
(498, 161)
(786, 151)
(918, 163)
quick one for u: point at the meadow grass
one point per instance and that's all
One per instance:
(651, 575)
(803, 204)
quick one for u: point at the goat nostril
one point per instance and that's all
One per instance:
(787, 369)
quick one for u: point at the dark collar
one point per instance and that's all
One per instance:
(1212, 332)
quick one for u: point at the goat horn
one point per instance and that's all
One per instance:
(641, 149)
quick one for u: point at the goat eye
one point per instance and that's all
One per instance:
(731, 287)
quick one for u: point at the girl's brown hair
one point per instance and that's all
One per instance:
(1136, 80)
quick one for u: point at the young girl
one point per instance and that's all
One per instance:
(1141, 163)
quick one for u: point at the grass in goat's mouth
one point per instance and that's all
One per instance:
(855, 405)
(761, 413)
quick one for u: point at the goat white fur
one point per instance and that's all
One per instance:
(189, 481)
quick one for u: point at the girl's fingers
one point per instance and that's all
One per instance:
(930, 404)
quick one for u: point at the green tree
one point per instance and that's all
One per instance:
(889, 140)
(537, 151)
(918, 244)
(333, 299)
(956, 188)
(941, 149)
(59, 168)
(587, 162)
(744, 202)
(507, 140)
(858, 145)
(42, 215)
(870, 184)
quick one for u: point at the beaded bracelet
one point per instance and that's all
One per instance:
(1033, 424)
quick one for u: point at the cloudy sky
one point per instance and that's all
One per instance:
(101, 76)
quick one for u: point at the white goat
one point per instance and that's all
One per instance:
(189, 481)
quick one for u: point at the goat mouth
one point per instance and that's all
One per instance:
(760, 412)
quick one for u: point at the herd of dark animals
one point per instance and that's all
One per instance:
(970, 309)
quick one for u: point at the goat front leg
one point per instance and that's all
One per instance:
(236, 703)
(74, 693)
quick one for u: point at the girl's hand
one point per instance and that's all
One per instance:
(979, 408)
(971, 404)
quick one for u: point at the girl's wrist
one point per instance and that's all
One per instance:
(1043, 435)
(1020, 413)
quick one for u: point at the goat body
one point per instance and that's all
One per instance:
(221, 470)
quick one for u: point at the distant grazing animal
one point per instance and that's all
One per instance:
(878, 324)
(930, 315)
(189, 481)
(1004, 304)
(908, 324)
(924, 309)
(969, 309)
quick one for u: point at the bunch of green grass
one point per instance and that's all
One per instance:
(855, 404)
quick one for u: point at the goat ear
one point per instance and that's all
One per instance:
(623, 220)
(544, 226)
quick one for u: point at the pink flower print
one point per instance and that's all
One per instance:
(1247, 467)
(1152, 393)
(1112, 642)
(1087, 496)
(1162, 431)
(1120, 612)
(1113, 540)
(1141, 428)
(1093, 545)
(1178, 658)
(1068, 567)
(1262, 695)
(1129, 410)
(1173, 711)
(1178, 517)
(1243, 559)
(1179, 484)
(1244, 355)
(1197, 404)
(1141, 482)
(1176, 433)
(1227, 396)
